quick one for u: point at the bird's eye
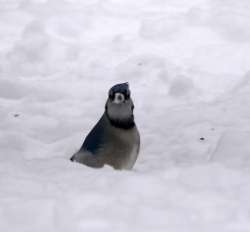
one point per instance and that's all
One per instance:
(111, 95)
(127, 94)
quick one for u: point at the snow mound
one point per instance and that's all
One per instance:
(233, 149)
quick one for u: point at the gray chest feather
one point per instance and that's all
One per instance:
(121, 148)
(113, 146)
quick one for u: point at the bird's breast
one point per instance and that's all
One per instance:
(121, 148)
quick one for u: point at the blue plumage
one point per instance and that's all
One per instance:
(120, 88)
(94, 139)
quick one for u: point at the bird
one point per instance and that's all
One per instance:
(115, 139)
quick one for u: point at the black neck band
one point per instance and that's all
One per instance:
(122, 124)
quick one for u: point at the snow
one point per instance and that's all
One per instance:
(187, 63)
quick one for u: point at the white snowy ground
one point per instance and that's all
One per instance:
(187, 62)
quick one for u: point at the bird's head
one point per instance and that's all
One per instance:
(119, 106)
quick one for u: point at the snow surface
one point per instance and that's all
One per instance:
(187, 62)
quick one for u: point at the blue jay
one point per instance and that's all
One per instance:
(115, 139)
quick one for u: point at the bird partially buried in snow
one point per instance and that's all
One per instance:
(115, 139)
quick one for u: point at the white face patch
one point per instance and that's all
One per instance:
(119, 108)
(119, 98)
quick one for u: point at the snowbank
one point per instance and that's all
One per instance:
(187, 63)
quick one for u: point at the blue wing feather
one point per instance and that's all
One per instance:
(94, 139)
